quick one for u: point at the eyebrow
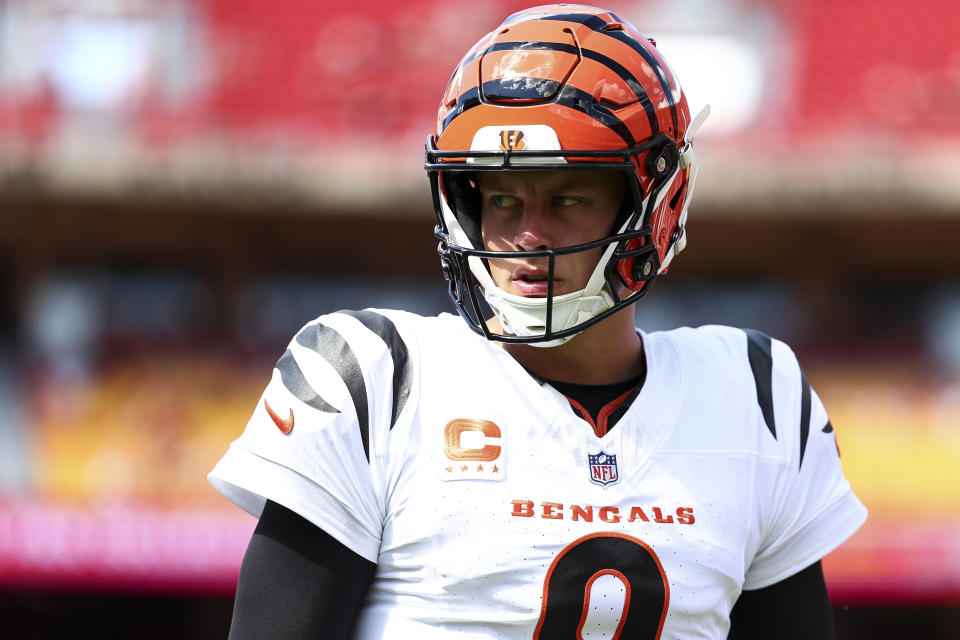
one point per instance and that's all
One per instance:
(508, 189)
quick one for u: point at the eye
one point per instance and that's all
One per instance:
(504, 201)
(567, 201)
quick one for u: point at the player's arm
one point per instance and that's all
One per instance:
(296, 581)
(797, 608)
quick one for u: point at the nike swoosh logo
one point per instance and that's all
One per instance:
(284, 424)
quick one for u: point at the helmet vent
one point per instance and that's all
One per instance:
(518, 69)
(521, 90)
(613, 106)
(675, 200)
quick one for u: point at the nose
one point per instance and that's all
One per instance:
(534, 231)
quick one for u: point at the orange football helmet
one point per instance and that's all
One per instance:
(552, 88)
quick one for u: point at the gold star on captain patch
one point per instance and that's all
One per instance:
(479, 467)
(463, 468)
(495, 469)
(449, 469)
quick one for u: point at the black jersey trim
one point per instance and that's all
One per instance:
(296, 383)
(827, 428)
(335, 350)
(760, 355)
(593, 399)
(624, 406)
(402, 366)
(804, 414)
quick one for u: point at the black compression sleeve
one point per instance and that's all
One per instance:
(296, 581)
(797, 608)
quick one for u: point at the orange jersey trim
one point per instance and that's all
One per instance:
(600, 426)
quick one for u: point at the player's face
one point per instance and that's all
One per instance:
(534, 210)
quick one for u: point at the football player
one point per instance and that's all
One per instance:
(541, 468)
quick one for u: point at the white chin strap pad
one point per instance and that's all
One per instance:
(526, 317)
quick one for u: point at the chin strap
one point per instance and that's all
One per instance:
(526, 317)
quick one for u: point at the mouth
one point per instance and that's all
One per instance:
(534, 283)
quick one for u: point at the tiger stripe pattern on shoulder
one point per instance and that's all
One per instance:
(402, 366)
(336, 350)
(760, 355)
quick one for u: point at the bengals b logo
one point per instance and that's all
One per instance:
(511, 140)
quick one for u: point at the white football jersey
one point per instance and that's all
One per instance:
(492, 510)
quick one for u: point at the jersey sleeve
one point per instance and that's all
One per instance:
(809, 507)
(318, 437)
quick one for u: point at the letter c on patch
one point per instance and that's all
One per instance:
(456, 451)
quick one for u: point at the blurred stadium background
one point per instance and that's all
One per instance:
(183, 183)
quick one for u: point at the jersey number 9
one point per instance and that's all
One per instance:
(566, 588)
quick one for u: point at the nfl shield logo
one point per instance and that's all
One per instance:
(603, 468)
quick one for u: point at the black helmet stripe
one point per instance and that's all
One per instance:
(467, 100)
(539, 89)
(632, 82)
(531, 89)
(584, 102)
(531, 45)
(519, 45)
(597, 24)
(596, 56)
